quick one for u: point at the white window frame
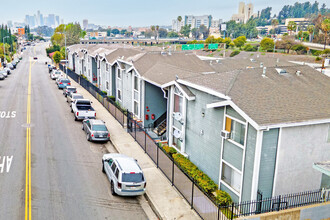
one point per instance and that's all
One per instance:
(134, 75)
(229, 186)
(119, 91)
(239, 121)
(118, 73)
(171, 127)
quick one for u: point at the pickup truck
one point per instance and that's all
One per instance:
(82, 109)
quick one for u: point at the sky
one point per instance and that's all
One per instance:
(132, 12)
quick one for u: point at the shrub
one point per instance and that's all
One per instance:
(299, 48)
(231, 44)
(318, 58)
(326, 51)
(267, 44)
(316, 52)
(112, 98)
(249, 47)
(223, 198)
(204, 181)
(105, 92)
(234, 53)
(169, 150)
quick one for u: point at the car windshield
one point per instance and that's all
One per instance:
(57, 72)
(71, 89)
(65, 81)
(99, 128)
(132, 177)
(77, 97)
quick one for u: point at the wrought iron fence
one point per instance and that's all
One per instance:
(200, 201)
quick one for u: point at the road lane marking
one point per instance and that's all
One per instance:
(28, 214)
(6, 162)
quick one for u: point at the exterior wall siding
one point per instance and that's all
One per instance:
(299, 148)
(231, 112)
(203, 140)
(127, 90)
(154, 99)
(249, 163)
(267, 162)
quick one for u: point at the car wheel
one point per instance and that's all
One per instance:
(103, 170)
(82, 127)
(75, 118)
(112, 189)
(71, 110)
(88, 137)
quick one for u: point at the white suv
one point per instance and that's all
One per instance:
(125, 175)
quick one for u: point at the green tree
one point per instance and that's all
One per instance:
(172, 34)
(115, 31)
(57, 57)
(185, 30)
(195, 33)
(267, 44)
(240, 41)
(227, 41)
(292, 26)
(310, 30)
(204, 30)
(179, 18)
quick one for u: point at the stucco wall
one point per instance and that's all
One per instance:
(299, 148)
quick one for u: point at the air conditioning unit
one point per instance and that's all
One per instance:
(225, 134)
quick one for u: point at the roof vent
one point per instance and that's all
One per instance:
(163, 53)
(264, 72)
(280, 71)
(277, 60)
(176, 77)
(253, 60)
(210, 62)
(258, 56)
(217, 61)
(261, 65)
(298, 72)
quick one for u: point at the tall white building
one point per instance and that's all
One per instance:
(197, 21)
(177, 25)
(245, 12)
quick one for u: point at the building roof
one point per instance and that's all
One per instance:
(276, 98)
(163, 68)
(121, 53)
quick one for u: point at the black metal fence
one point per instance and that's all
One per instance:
(199, 200)
(114, 109)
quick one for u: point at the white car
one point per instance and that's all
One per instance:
(56, 74)
(125, 175)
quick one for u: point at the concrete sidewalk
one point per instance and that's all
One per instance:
(166, 202)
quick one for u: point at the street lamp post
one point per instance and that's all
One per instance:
(4, 49)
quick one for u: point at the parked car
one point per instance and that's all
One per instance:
(125, 175)
(63, 83)
(2, 77)
(8, 70)
(14, 64)
(51, 68)
(4, 72)
(82, 109)
(55, 74)
(10, 66)
(71, 97)
(35, 58)
(95, 130)
(69, 89)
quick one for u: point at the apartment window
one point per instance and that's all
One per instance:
(107, 85)
(176, 142)
(119, 94)
(328, 140)
(136, 83)
(231, 177)
(118, 74)
(237, 130)
(107, 67)
(136, 108)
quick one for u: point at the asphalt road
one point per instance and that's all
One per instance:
(66, 181)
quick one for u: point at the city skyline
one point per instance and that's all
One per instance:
(107, 13)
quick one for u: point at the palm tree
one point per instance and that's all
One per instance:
(292, 26)
(179, 18)
(310, 30)
(325, 26)
(157, 30)
(274, 24)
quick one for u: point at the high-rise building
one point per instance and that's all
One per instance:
(51, 20)
(245, 12)
(177, 25)
(197, 21)
(9, 24)
(57, 20)
(85, 24)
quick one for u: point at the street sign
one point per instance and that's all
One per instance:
(213, 46)
(223, 27)
(192, 46)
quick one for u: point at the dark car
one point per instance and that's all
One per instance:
(68, 90)
(35, 58)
